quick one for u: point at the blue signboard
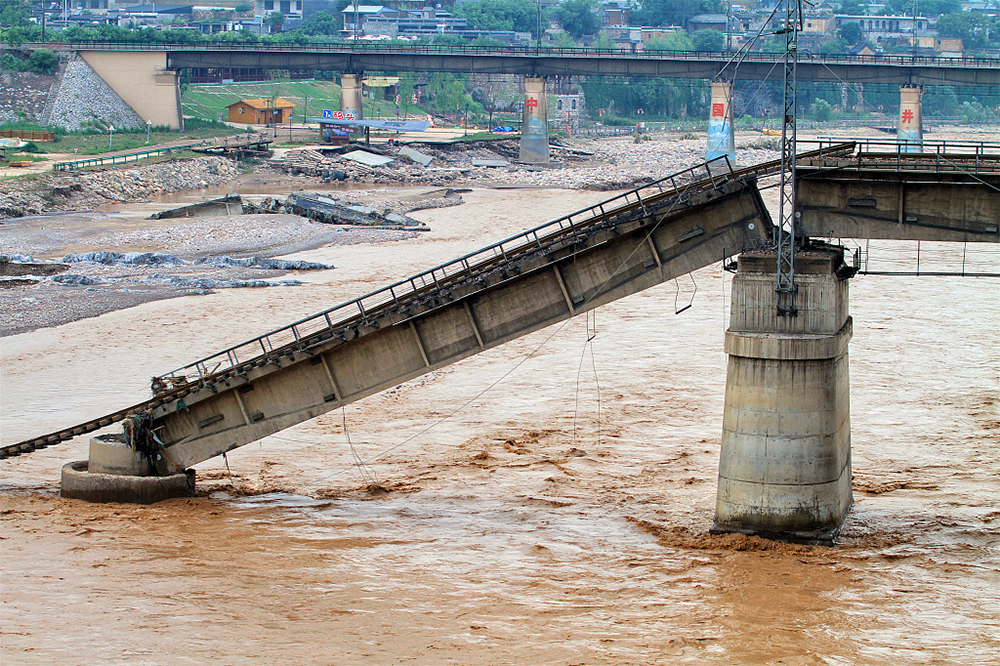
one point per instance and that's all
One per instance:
(327, 113)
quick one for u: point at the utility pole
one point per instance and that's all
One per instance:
(787, 215)
(538, 24)
(729, 25)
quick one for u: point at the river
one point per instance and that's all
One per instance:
(560, 517)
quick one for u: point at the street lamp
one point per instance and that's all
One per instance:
(111, 135)
(149, 123)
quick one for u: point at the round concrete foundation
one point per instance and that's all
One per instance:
(79, 483)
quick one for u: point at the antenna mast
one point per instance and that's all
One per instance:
(787, 216)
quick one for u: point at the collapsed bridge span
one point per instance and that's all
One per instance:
(538, 278)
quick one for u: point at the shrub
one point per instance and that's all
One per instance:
(43, 61)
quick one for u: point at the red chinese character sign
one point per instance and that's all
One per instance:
(907, 116)
(718, 110)
(531, 103)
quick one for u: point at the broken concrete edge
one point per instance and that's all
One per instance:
(78, 483)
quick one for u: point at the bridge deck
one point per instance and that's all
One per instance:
(892, 69)
(631, 242)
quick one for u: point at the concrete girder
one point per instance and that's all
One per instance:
(570, 273)
(708, 67)
(904, 205)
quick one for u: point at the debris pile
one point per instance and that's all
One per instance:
(331, 210)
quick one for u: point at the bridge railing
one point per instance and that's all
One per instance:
(535, 51)
(713, 172)
(930, 146)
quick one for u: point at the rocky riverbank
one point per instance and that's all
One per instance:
(20, 197)
(608, 164)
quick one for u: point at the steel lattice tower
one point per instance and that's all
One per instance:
(787, 217)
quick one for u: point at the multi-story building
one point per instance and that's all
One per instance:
(877, 29)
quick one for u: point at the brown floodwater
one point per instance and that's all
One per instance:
(559, 516)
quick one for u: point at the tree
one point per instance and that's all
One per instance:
(603, 41)
(563, 41)
(821, 110)
(708, 40)
(853, 7)
(276, 20)
(14, 13)
(673, 12)
(851, 33)
(517, 15)
(975, 30)
(578, 17)
(43, 61)
(675, 41)
(833, 47)
(321, 23)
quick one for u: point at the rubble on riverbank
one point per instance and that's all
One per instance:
(20, 197)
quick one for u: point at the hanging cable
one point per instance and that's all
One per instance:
(677, 292)
(531, 354)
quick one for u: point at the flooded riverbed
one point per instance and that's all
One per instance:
(557, 516)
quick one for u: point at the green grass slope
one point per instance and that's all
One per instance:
(209, 101)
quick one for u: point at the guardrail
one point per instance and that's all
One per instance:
(362, 308)
(930, 146)
(120, 159)
(534, 51)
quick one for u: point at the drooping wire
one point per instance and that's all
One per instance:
(531, 354)
(368, 475)
(588, 342)
(677, 293)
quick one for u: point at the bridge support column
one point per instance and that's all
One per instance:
(721, 140)
(117, 473)
(351, 98)
(910, 130)
(534, 125)
(785, 465)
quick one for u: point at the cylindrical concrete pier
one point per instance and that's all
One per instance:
(117, 473)
(351, 98)
(534, 125)
(910, 130)
(721, 140)
(785, 465)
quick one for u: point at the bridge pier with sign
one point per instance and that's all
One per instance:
(910, 131)
(785, 464)
(721, 140)
(351, 99)
(534, 122)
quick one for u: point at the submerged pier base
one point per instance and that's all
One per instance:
(785, 465)
(116, 473)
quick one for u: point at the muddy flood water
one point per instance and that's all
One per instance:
(547, 502)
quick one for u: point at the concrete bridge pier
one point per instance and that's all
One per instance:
(910, 132)
(785, 465)
(351, 97)
(115, 472)
(721, 140)
(534, 124)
